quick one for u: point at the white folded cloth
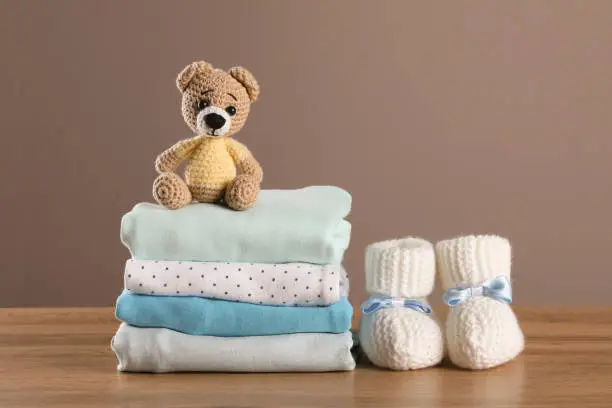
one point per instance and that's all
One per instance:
(288, 284)
(163, 350)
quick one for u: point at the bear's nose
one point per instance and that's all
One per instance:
(214, 121)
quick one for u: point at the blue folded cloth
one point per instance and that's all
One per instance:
(304, 225)
(211, 317)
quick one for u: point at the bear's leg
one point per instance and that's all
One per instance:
(242, 193)
(171, 191)
(207, 193)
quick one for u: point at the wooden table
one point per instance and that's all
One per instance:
(61, 358)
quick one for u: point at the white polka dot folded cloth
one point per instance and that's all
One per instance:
(290, 284)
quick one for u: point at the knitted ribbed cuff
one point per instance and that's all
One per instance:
(472, 259)
(401, 267)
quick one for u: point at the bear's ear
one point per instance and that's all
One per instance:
(187, 74)
(247, 80)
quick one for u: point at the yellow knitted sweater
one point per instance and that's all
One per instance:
(212, 161)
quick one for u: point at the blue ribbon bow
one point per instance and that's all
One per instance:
(384, 302)
(498, 288)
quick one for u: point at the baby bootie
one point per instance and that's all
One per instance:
(481, 328)
(397, 329)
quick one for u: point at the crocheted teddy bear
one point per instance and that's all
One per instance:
(215, 106)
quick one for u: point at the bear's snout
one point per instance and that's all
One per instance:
(214, 121)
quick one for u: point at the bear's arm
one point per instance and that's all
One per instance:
(170, 159)
(245, 162)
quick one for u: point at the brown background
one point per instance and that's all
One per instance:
(440, 117)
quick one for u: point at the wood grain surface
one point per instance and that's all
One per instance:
(61, 358)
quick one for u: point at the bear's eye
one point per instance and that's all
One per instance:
(231, 110)
(204, 103)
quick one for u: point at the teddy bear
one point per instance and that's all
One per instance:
(215, 105)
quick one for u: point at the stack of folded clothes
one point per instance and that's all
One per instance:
(212, 289)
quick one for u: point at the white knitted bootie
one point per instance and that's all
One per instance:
(481, 328)
(397, 329)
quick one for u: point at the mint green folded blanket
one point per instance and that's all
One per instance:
(304, 225)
